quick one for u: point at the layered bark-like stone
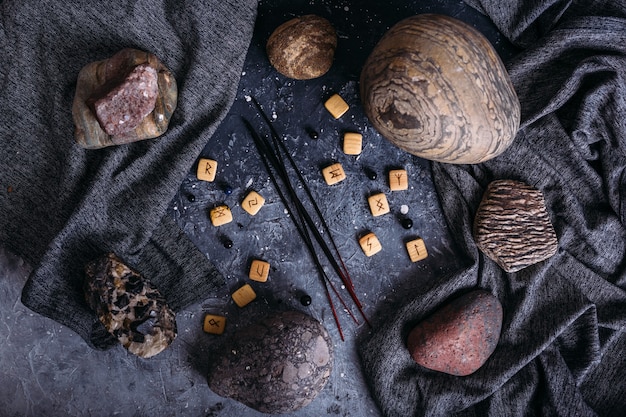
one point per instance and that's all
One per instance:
(275, 366)
(459, 337)
(512, 225)
(129, 306)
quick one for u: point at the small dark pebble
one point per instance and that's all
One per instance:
(371, 174)
(305, 300)
(226, 242)
(228, 190)
(191, 198)
(406, 223)
(312, 133)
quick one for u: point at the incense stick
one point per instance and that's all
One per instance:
(272, 155)
(270, 161)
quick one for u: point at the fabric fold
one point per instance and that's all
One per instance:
(65, 205)
(562, 315)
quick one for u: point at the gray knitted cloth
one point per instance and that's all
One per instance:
(562, 351)
(61, 205)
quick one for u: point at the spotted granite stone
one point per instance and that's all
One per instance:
(512, 225)
(459, 337)
(277, 365)
(130, 307)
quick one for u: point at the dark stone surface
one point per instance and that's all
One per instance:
(48, 370)
(276, 365)
(459, 337)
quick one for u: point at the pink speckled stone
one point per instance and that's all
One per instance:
(459, 337)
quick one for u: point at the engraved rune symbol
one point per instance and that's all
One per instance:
(380, 204)
(369, 245)
(220, 212)
(399, 177)
(207, 168)
(214, 323)
(335, 173)
(417, 249)
(259, 269)
(253, 202)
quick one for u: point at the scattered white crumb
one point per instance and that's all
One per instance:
(248, 98)
(404, 209)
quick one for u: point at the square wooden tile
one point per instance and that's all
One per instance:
(253, 202)
(220, 215)
(259, 270)
(378, 204)
(336, 106)
(214, 324)
(398, 180)
(352, 143)
(370, 244)
(207, 169)
(244, 295)
(417, 249)
(334, 174)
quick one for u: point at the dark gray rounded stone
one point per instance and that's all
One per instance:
(277, 365)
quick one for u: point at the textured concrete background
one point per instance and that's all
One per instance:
(46, 369)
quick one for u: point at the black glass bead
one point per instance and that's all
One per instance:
(227, 189)
(312, 133)
(370, 173)
(227, 242)
(305, 300)
(407, 223)
(191, 198)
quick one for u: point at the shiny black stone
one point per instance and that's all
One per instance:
(191, 198)
(312, 133)
(406, 223)
(370, 173)
(305, 300)
(227, 242)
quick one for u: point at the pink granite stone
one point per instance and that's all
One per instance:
(124, 107)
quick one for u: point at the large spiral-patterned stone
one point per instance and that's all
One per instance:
(435, 87)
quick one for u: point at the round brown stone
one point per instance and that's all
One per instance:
(303, 47)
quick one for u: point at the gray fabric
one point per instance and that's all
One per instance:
(562, 351)
(61, 205)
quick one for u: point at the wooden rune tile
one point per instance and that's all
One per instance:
(221, 215)
(336, 106)
(214, 324)
(378, 204)
(370, 244)
(253, 202)
(334, 174)
(244, 295)
(207, 169)
(259, 270)
(352, 143)
(398, 180)
(417, 249)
